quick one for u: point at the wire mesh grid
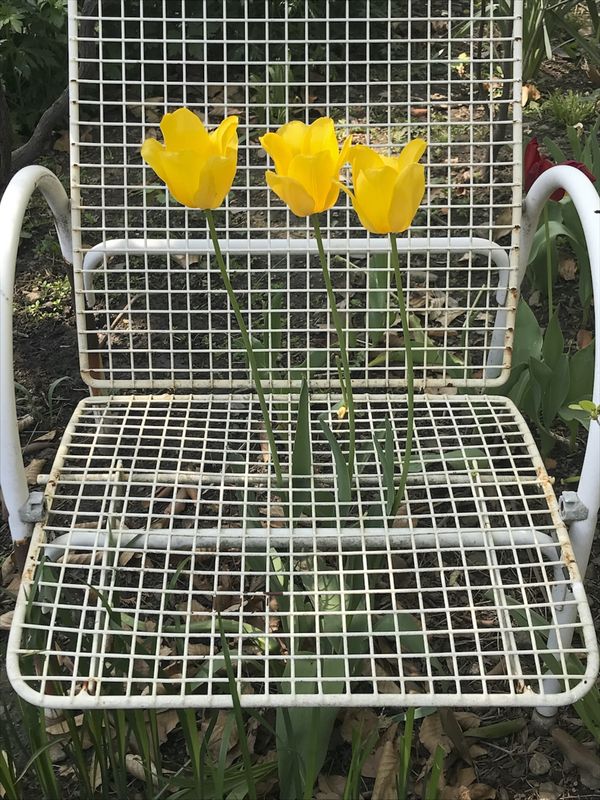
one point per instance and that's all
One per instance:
(385, 71)
(164, 517)
(165, 318)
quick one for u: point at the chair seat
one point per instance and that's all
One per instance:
(166, 535)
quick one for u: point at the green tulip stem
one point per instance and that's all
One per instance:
(410, 387)
(549, 276)
(347, 388)
(247, 345)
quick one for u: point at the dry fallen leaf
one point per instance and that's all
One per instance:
(63, 143)
(567, 268)
(362, 719)
(529, 92)
(8, 570)
(583, 758)
(95, 773)
(330, 787)
(6, 620)
(39, 443)
(166, 721)
(385, 780)
(33, 469)
(371, 763)
(135, 766)
(584, 338)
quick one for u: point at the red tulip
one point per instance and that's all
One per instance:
(535, 163)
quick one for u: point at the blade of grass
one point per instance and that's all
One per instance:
(35, 725)
(8, 781)
(433, 782)
(301, 455)
(361, 750)
(405, 746)
(237, 708)
(386, 457)
(344, 490)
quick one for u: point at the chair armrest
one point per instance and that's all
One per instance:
(12, 210)
(587, 202)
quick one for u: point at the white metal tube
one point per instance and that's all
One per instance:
(262, 246)
(12, 209)
(324, 539)
(587, 202)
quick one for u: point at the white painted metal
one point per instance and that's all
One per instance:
(12, 210)
(145, 520)
(385, 72)
(587, 202)
(163, 509)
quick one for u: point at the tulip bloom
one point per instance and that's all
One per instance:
(307, 162)
(387, 190)
(535, 163)
(198, 167)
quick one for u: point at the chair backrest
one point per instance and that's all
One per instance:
(149, 299)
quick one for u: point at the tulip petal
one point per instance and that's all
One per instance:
(181, 174)
(294, 134)
(315, 173)
(331, 197)
(214, 182)
(361, 158)
(369, 222)
(279, 150)
(363, 213)
(410, 154)
(344, 152)
(153, 154)
(292, 194)
(183, 130)
(321, 136)
(407, 195)
(225, 135)
(374, 189)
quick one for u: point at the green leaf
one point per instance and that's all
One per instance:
(540, 372)
(581, 375)
(554, 342)
(329, 601)
(303, 734)
(316, 359)
(301, 454)
(275, 328)
(387, 457)
(554, 150)
(341, 467)
(378, 279)
(556, 390)
(528, 336)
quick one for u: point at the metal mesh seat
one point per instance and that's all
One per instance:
(163, 518)
(150, 532)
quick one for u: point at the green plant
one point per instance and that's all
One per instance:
(545, 381)
(33, 57)
(570, 108)
(53, 294)
(565, 226)
(549, 24)
(270, 94)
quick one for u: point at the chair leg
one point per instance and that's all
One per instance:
(581, 534)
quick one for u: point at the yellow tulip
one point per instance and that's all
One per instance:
(387, 190)
(307, 162)
(198, 167)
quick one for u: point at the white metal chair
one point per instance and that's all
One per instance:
(161, 511)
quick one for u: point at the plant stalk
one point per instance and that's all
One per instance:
(549, 277)
(410, 387)
(348, 397)
(248, 345)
